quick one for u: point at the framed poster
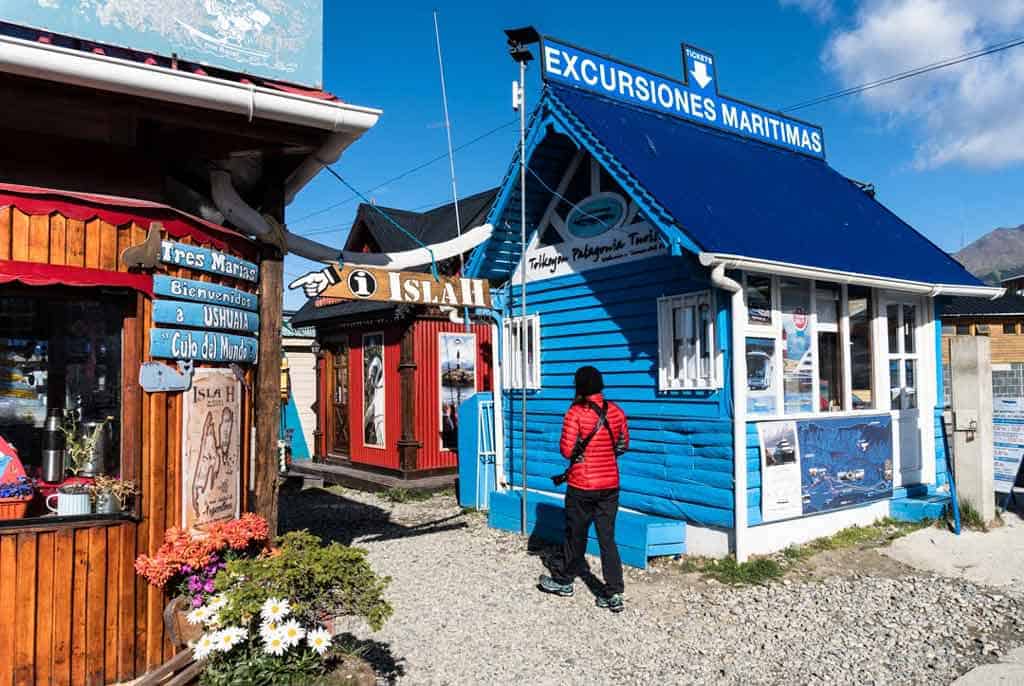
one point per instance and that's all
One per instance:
(373, 390)
(845, 460)
(762, 389)
(781, 496)
(211, 449)
(457, 365)
(1008, 436)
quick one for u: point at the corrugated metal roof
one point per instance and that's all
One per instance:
(1011, 305)
(310, 314)
(434, 226)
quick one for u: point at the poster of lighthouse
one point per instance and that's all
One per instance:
(457, 353)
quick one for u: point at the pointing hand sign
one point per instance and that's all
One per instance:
(315, 283)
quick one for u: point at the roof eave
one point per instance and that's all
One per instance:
(802, 271)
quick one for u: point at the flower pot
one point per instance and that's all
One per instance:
(70, 504)
(14, 508)
(107, 503)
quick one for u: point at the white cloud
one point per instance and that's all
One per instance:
(823, 10)
(968, 113)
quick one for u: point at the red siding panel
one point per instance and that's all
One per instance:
(428, 386)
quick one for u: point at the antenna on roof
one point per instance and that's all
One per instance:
(448, 130)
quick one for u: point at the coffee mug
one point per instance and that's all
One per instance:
(69, 504)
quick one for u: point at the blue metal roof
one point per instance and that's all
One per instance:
(716, 192)
(741, 197)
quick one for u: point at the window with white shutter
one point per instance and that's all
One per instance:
(687, 354)
(513, 332)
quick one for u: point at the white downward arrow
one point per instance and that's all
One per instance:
(700, 73)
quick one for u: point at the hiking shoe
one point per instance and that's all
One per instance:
(549, 585)
(612, 602)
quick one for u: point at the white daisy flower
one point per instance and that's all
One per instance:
(292, 632)
(217, 602)
(269, 629)
(212, 620)
(319, 640)
(198, 616)
(275, 609)
(274, 644)
(230, 637)
(206, 644)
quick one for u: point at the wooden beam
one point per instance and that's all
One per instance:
(408, 446)
(267, 390)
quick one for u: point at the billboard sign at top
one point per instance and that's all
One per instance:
(264, 38)
(695, 98)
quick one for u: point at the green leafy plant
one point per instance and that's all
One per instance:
(120, 489)
(404, 495)
(302, 585)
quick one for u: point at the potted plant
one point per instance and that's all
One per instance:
(14, 497)
(110, 495)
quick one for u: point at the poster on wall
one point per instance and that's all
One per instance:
(797, 354)
(780, 471)
(373, 390)
(1008, 436)
(211, 449)
(761, 385)
(457, 352)
(846, 461)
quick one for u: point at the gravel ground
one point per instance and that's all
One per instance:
(467, 612)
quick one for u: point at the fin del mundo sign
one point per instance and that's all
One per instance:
(266, 38)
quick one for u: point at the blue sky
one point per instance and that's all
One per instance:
(945, 151)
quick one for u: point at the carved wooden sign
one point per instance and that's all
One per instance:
(358, 282)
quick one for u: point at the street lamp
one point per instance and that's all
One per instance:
(518, 40)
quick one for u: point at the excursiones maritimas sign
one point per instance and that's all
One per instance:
(696, 101)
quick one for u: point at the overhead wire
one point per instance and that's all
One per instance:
(407, 172)
(910, 73)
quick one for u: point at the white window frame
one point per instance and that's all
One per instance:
(511, 353)
(694, 378)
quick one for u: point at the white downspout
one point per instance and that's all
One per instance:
(738, 311)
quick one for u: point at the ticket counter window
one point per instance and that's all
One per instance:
(60, 349)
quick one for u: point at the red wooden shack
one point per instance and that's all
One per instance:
(384, 408)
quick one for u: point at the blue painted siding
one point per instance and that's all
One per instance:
(680, 461)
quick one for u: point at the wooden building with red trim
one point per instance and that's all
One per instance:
(116, 255)
(385, 406)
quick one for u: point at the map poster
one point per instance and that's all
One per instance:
(211, 449)
(846, 461)
(457, 352)
(780, 471)
(373, 390)
(1008, 435)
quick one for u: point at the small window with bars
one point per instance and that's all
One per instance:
(512, 352)
(687, 354)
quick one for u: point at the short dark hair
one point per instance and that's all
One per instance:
(588, 381)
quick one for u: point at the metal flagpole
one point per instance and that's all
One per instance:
(522, 266)
(448, 130)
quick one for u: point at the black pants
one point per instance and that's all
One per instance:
(582, 508)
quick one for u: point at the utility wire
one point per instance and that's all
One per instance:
(406, 173)
(918, 71)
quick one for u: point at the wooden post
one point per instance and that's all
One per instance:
(408, 446)
(267, 391)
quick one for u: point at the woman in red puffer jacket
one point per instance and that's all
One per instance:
(593, 492)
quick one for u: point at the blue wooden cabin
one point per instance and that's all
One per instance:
(768, 326)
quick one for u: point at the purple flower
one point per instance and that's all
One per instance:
(208, 586)
(197, 601)
(194, 584)
(186, 569)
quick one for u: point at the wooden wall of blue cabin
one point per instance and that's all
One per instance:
(680, 462)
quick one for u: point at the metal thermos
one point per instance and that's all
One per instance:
(53, 446)
(97, 462)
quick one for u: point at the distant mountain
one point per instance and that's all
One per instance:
(996, 255)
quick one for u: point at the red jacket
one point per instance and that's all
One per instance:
(599, 469)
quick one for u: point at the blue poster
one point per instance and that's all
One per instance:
(845, 461)
(207, 260)
(202, 346)
(200, 291)
(204, 316)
